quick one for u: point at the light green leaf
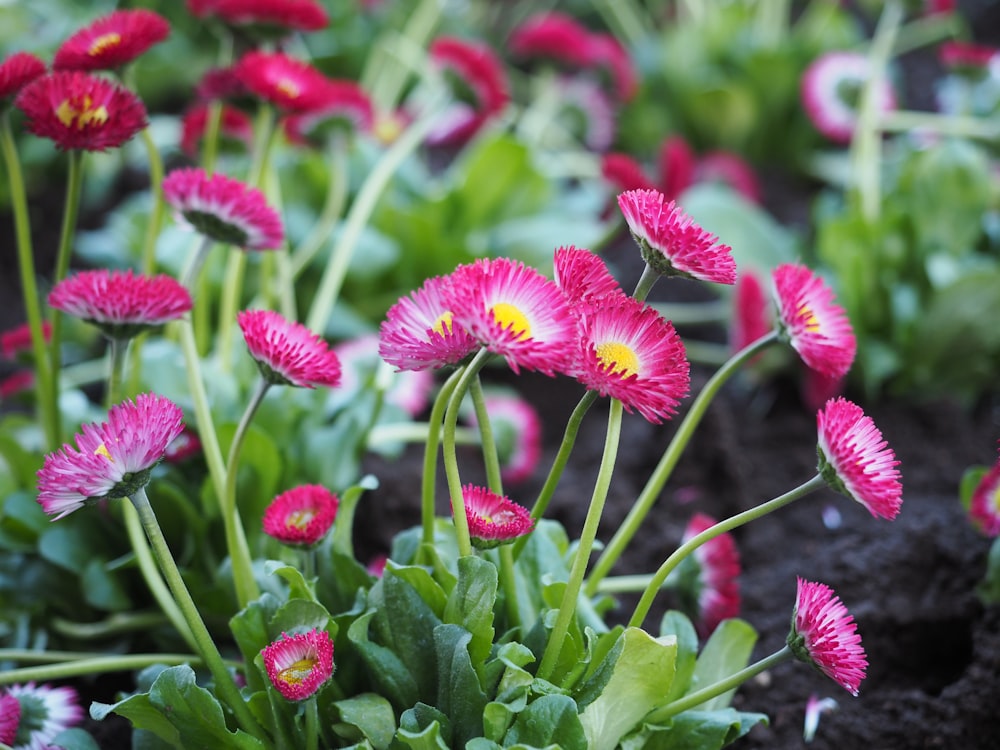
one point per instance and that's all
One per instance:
(679, 625)
(471, 604)
(371, 715)
(73, 739)
(103, 588)
(549, 720)
(142, 713)
(727, 652)
(387, 670)
(343, 528)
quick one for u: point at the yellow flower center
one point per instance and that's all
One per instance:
(996, 500)
(288, 87)
(102, 450)
(296, 673)
(510, 317)
(388, 129)
(299, 519)
(620, 358)
(442, 326)
(71, 114)
(808, 317)
(104, 42)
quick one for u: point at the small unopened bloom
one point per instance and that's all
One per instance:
(825, 635)
(479, 71)
(815, 326)
(45, 712)
(517, 431)
(264, 18)
(112, 459)
(709, 582)
(670, 241)
(299, 665)
(112, 41)
(831, 93)
(290, 84)
(302, 515)
(121, 303)
(984, 507)
(223, 209)
(80, 111)
(287, 352)
(582, 275)
(10, 718)
(18, 339)
(494, 519)
(16, 71)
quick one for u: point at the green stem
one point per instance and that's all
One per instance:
(955, 125)
(686, 313)
(626, 19)
(120, 622)
(665, 467)
(213, 123)
(771, 23)
(926, 30)
(95, 665)
(333, 207)
(567, 609)
(645, 283)
(312, 724)
(717, 688)
(224, 683)
(675, 558)
(415, 432)
(196, 261)
(491, 457)
(56, 657)
(117, 348)
(428, 479)
(156, 212)
(384, 75)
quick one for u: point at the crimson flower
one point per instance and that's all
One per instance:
(16, 71)
(235, 127)
(825, 635)
(183, 447)
(299, 665)
(112, 459)
(984, 507)
(479, 71)
(10, 718)
(582, 275)
(708, 577)
(287, 352)
(494, 519)
(751, 311)
(302, 515)
(80, 111)
(112, 41)
(45, 712)
(855, 460)
(121, 303)
(608, 52)
(831, 90)
(289, 84)
(269, 18)
(346, 105)
(17, 382)
(967, 56)
(556, 36)
(18, 339)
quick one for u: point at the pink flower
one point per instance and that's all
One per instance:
(607, 52)
(710, 586)
(582, 275)
(677, 165)
(346, 105)
(630, 352)
(121, 303)
(16, 71)
(287, 352)
(80, 111)
(376, 566)
(112, 41)
(17, 382)
(112, 459)
(45, 712)
(984, 507)
(299, 665)
(514, 311)
(494, 519)
(220, 83)
(553, 35)
(183, 447)
(729, 169)
(223, 209)
(825, 635)
(18, 339)
(517, 430)
(624, 173)
(967, 56)
(270, 18)
(816, 327)
(359, 359)
(235, 127)
(591, 114)
(831, 93)
(10, 717)
(751, 312)
(480, 71)
(856, 461)
(289, 84)
(302, 515)
(672, 244)
(419, 331)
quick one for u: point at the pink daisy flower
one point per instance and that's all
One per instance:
(670, 241)
(494, 519)
(480, 72)
(16, 71)
(287, 352)
(183, 447)
(220, 83)
(10, 717)
(112, 459)
(289, 84)
(582, 275)
(556, 36)
(607, 52)
(831, 92)
(269, 18)
(751, 311)
(624, 173)
(966, 56)
(16, 340)
(676, 162)
(809, 320)
(112, 41)
(299, 665)
(630, 352)
(825, 635)
(21, 381)
(514, 311)
(591, 114)
(729, 169)
(708, 577)
(223, 209)
(855, 460)
(984, 507)
(517, 430)
(121, 303)
(419, 331)
(302, 515)
(359, 359)
(45, 712)
(235, 128)
(346, 106)
(80, 111)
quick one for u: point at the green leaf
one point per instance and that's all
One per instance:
(73, 739)
(371, 715)
(143, 714)
(679, 625)
(460, 696)
(705, 730)
(250, 630)
(423, 584)
(428, 738)
(388, 671)
(727, 652)
(988, 589)
(298, 588)
(22, 522)
(471, 604)
(971, 479)
(103, 588)
(299, 616)
(549, 720)
(343, 528)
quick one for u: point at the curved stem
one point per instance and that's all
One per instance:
(312, 724)
(213, 122)
(428, 479)
(75, 667)
(567, 609)
(196, 261)
(333, 206)
(491, 457)
(675, 558)
(645, 283)
(660, 475)
(120, 622)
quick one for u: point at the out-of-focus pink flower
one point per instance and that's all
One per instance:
(608, 52)
(556, 36)
(269, 18)
(831, 92)
(710, 586)
(302, 515)
(494, 519)
(479, 71)
(16, 71)
(299, 665)
(183, 447)
(582, 275)
(287, 352)
(10, 717)
(967, 56)
(346, 106)
(624, 173)
(751, 311)
(409, 390)
(517, 430)
(16, 340)
(587, 104)
(235, 127)
(815, 707)
(984, 507)
(729, 169)
(290, 84)
(112, 41)
(17, 382)
(45, 712)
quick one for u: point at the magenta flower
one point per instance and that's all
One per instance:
(235, 128)
(630, 352)
(582, 275)
(112, 41)
(302, 515)
(419, 331)
(514, 311)
(480, 72)
(729, 169)
(751, 312)
(624, 173)
(672, 244)
(183, 447)
(556, 36)
(223, 209)
(608, 53)
(831, 92)
(10, 718)
(289, 84)
(269, 18)
(984, 507)
(18, 339)
(287, 352)
(299, 665)
(494, 519)
(816, 327)
(590, 113)
(517, 430)
(708, 577)
(121, 303)
(17, 382)
(825, 635)
(45, 712)
(346, 106)
(80, 111)
(856, 461)
(112, 459)
(17, 71)
(359, 359)
(967, 57)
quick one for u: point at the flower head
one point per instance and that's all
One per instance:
(287, 352)
(591, 114)
(15, 383)
(855, 460)
(825, 635)
(630, 352)
(299, 665)
(359, 359)
(751, 312)
(708, 577)
(556, 36)
(223, 209)
(10, 718)
(16, 71)
(121, 303)
(80, 111)
(112, 459)
(289, 84)
(815, 326)
(514, 311)
(608, 53)
(494, 519)
(729, 169)
(183, 447)
(624, 173)
(831, 91)
(419, 331)
(346, 105)
(967, 57)
(672, 244)
(582, 275)
(18, 339)
(45, 712)
(264, 18)
(984, 507)
(302, 515)
(517, 430)
(235, 128)
(112, 41)
(479, 73)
